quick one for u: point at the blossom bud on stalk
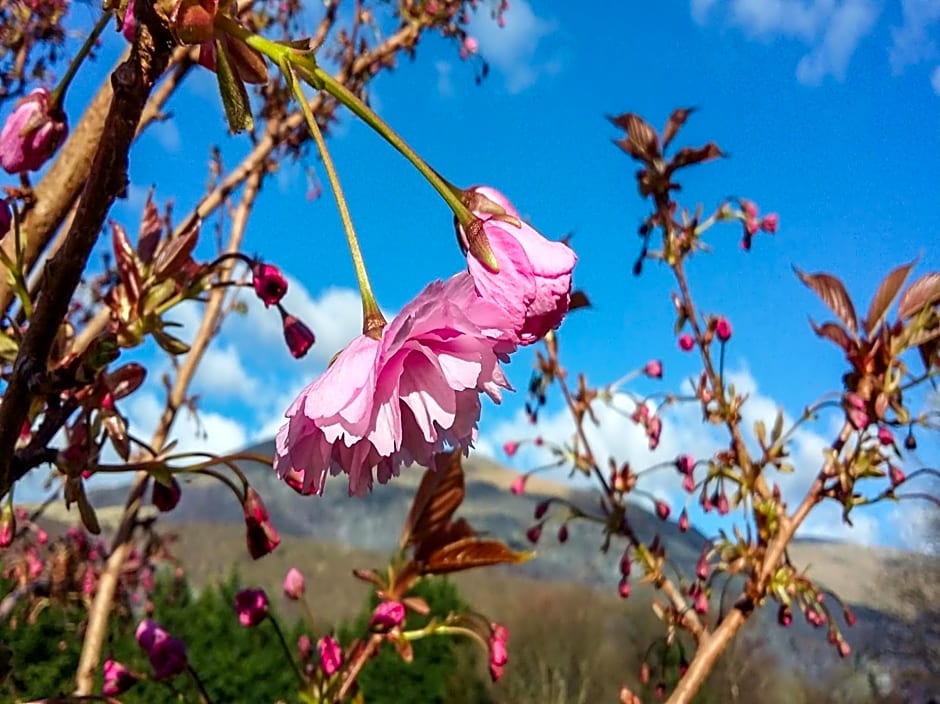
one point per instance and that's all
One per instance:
(331, 655)
(251, 605)
(387, 615)
(164, 497)
(269, 283)
(299, 337)
(31, 133)
(294, 584)
(498, 653)
(117, 678)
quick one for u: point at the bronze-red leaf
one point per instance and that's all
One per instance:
(922, 293)
(579, 299)
(641, 141)
(674, 124)
(832, 292)
(440, 493)
(470, 553)
(691, 155)
(884, 297)
(835, 333)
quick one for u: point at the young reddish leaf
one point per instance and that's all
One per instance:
(920, 294)
(577, 300)
(674, 124)
(835, 333)
(151, 228)
(440, 493)
(248, 63)
(174, 252)
(833, 294)
(451, 533)
(370, 576)
(641, 141)
(126, 261)
(884, 297)
(690, 155)
(405, 651)
(126, 379)
(472, 552)
(85, 510)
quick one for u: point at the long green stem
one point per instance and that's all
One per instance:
(372, 319)
(288, 653)
(58, 94)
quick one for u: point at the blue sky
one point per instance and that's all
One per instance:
(830, 110)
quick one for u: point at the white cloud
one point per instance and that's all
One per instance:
(911, 42)
(200, 432)
(832, 29)
(445, 86)
(849, 23)
(221, 375)
(513, 49)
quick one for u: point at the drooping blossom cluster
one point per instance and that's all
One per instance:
(414, 390)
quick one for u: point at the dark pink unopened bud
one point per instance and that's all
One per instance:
(686, 342)
(685, 464)
(304, 647)
(684, 522)
(261, 536)
(850, 618)
(844, 649)
(722, 504)
(626, 564)
(645, 673)
(164, 497)
(117, 678)
(294, 584)
(769, 223)
(896, 474)
(660, 690)
(701, 603)
(251, 605)
(688, 484)
(129, 24)
(510, 447)
(701, 568)
(855, 410)
(386, 616)
(784, 616)
(32, 133)
(662, 510)
(331, 655)
(723, 329)
(167, 654)
(498, 653)
(299, 337)
(885, 436)
(749, 208)
(563, 533)
(534, 533)
(518, 484)
(541, 508)
(269, 283)
(624, 588)
(654, 430)
(654, 369)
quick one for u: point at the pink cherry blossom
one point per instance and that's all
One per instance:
(32, 133)
(533, 283)
(397, 400)
(387, 615)
(331, 655)
(251, 605)
(294, 584)
(117, 678)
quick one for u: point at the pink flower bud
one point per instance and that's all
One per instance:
(722, 504)
(686, 342)
(304, 647)
(701, 603)
(723, 329)
(261, 536)
(471, 45)
(534, 533)
(645, 673)
(653, 369)
(251, 605)
(850, 618)
(844, 649)
(662, 510)
(751, 227)
(885, 436)
(684, 522)
(32, 133)
(685, 464)
(623, 588)
(689, 483)
(654, 429)
(294, 584)
(117, 678)
(386, 616)
(498, 653)
(701, 568)
(299, 337)
(896, 474)
(167, 654)
(42, 537)
(541, 508)
(855, 410)
(749, 208)
(784, 616)
(563, 533)
(626, 564)
(164, 497)
(331, 655)
(518, 484)
(269, 283)
(129, 25)
(769, 223)
(7, 527)
(660, 690)
(510, 447)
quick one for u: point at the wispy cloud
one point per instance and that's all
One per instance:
(832, 29)
(935, 80)
(514, 50)
(911, 42)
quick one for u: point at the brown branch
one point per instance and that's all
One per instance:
(100, 610)
(711, 648)
(131, 82)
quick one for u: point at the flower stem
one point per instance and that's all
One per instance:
(288, 653)
(372, 319)
(203, 694)
(448, 191)
(58, 94)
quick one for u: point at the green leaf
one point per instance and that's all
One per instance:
(232, 90)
